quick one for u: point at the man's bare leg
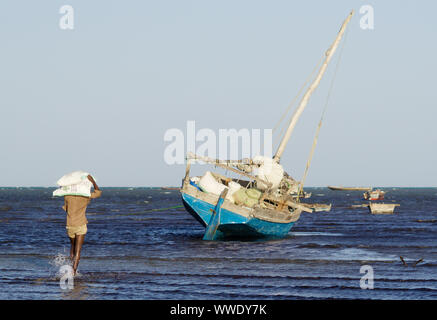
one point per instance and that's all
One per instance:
(78, 246)
(73, 243)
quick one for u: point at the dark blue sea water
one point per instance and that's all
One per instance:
(141, 244)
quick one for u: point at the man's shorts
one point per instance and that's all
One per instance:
(76, 231)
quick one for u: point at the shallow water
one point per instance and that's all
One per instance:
(142, 244)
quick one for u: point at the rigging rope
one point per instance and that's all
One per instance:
(295, 98)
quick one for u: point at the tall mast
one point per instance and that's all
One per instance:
(311, 88)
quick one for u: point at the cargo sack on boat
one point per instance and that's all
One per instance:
(247, 198)
(269, 170)
(82, 188)
(209, 184)
(240, 196)
(72, 178)
(253, 196)
(232, 188)
(253, 193)
(251, 202)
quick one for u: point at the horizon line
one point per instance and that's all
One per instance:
(12, 187)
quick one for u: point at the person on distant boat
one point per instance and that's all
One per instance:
(75, 206)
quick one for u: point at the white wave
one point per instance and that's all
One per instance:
(299, 234)
(360, 254)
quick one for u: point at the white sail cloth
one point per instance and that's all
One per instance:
(268, 170)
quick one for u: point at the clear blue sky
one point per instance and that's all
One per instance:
(101, 96)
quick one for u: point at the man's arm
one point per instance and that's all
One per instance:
(65, 205)
(90, 178)
(97, 192)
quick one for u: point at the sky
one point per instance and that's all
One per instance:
(100, 97)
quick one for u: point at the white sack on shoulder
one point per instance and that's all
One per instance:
(80, 189)
(72, 178)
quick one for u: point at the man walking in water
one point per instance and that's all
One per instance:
(75, 206)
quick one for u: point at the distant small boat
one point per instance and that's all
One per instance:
(382, 208)
(170, 188)
(377, 194)
(317, 207)
(339, 188)
(378, 208)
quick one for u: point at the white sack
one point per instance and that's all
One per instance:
(232, 188)
(209, 184)
(80, 189)
(73, 178)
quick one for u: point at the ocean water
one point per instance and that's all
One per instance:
(142, 244)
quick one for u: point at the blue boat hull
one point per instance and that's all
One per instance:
(234, 225)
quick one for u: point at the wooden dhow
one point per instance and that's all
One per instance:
(261, 205)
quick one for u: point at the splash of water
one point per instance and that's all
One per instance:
(57, 262)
